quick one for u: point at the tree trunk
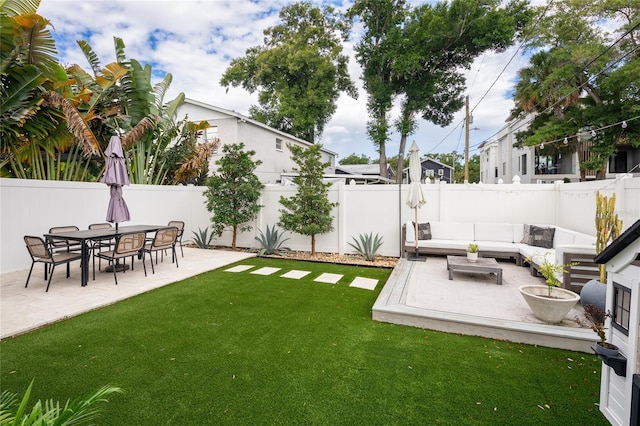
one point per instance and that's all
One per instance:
(313, 244)
(383, 160)
(403, 144)
(233, 239)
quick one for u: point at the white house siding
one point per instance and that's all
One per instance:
(31, 207)
(235, 128)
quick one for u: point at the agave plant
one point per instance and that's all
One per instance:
(271, 241)
(202, 238)
(76, 412)
(367, 245)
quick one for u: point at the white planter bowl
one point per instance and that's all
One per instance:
(549, 309)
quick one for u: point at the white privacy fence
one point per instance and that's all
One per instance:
(31, 207)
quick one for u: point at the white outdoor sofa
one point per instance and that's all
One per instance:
(507, 241)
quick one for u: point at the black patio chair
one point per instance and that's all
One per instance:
(129, 244)
(40, 252)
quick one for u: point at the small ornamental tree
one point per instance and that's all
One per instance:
(309, 211)
(234, 191)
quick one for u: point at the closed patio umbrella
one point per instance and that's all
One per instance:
(116, 176)
(415, 197)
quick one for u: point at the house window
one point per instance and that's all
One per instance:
(496, 172)
(504, 169)
(278, 144)
(621, 307)
(524, 164)
(618, 162)
(440, 172)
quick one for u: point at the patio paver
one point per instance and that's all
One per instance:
(267, 270)
(365, 283)
(239, 268)
(329, 278)
(295, 274)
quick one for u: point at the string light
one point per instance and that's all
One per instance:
(565, 140)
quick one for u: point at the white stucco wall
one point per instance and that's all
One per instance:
(31, 207)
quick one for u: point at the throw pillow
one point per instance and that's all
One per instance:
(541, 236)
(526, 235)
(424, 231)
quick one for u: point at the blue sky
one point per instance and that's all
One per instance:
(196, 40)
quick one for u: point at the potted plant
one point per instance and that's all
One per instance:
(608, 228)
(597, 318)
(549, 303)
(472, 252)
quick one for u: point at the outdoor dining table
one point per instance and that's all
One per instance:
(84, 237)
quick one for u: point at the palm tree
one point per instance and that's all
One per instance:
(30, 130)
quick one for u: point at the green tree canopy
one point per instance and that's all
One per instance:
(309, 211)
(417, 56)
(355, 159)
(300, 71)
(234, 191)
(581, 78)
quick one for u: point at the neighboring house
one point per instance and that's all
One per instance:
(620, 376)
(361, 174)
(500, 161)
(270, 145)
(433, 170)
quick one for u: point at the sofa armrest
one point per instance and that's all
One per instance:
(585, 268)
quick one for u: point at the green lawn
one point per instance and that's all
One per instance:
(237, 348)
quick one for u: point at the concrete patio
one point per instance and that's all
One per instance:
(420, 294)
(417, 294)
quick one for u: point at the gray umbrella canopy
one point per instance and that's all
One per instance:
(415, 197)
(116, 176)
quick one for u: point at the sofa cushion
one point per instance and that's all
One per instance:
(563, 237)
(583, 239)
(518, 232)
(538, 236)
(445, 244)
(424, 231)
(452, 231)
(410, 233)
(497, 246)
(537, 255)
(502, 232)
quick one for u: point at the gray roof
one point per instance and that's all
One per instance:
(360, 169)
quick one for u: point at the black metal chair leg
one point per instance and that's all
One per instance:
(31, 269)
(53, 267)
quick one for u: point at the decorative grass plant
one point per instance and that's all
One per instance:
(241, 348)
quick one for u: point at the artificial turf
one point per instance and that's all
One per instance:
(238, 348)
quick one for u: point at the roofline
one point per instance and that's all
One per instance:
(345, 176)
(254, 122)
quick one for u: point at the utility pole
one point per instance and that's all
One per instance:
(466, 140)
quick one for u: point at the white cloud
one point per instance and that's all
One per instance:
(196, 40)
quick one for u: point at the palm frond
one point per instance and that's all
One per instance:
(19, 7)
(138, 131)
(75, 122)
(118, 44)
(91, 56)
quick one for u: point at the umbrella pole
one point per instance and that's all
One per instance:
(416, 255)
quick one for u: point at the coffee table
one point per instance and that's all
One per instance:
(486, 265)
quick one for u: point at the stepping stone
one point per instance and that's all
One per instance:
(265, 271)
(366, 283)
(295, 274)
(329, 278)
(239, 268)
